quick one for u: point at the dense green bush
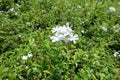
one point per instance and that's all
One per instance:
(25, 28)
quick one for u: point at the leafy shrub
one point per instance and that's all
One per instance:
(26, 28)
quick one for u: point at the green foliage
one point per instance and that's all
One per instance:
(27, 29)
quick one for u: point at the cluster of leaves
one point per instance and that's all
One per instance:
(27, 29)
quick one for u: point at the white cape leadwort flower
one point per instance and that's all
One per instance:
(104, 29)
(11, 10)
(74, 38)
(29, 55)
(116, 28)
(24, 57)
(116, 54)
(82, 31)
(111, 9)
(63, 33)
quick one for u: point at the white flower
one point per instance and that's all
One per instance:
(74, 38)
(63, 33)
(17, 5)
(29, 55)
(20, 35)
(119, 55)
(54, 38)
(116, 28)
(82, 31)
(55, 29)
(64, 30)
(11, 10)
(24, 57)
(111, 9)
(116, 54)
(104, 29)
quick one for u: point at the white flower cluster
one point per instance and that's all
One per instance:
(104, 29)
(116, 28)
(111, 9)
(116, 54)
(26, 57)
(63, 33)
(12, 10)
